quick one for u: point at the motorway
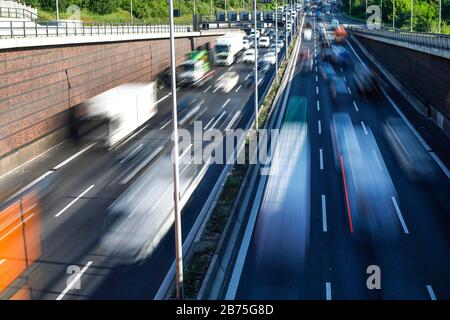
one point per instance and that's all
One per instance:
(84, 183)
(303, 244)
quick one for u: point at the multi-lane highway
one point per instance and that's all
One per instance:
(100, 205)
(341, 196)
(307, 242)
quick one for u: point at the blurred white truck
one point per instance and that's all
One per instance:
(227, 48)
(114, 114)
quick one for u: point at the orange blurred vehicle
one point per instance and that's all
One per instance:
(20, 237)
(340, 35)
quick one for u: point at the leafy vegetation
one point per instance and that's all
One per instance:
(143, 10)
(425, 13)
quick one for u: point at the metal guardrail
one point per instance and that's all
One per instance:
(27, 29)
(17, 13)
(427, 39)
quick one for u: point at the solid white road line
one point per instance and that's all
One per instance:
(73, 201)
(132, 136)
(164, 98)
(238, 88)
(165, 125)
(210, 121)
(188, 116)
(74, 281)
(226, 102)
(328, 290)
(141, 165)
(201, 102)
(431, 292)
(31, 184)
(18, 225)
(186, 151)
(354, 104)
(79, 153)
(324, 214)
(131, 153)
(319, 125)
(233, 120)
(364, 128)
(440, 164)
(218, 119)
(207, 89)
(399, 214)
(321, 158)
(318, 105)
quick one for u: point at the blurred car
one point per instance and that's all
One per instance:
(274, 48)
(339, 91)
(246, 44)
(270, 57)
(307, 31)
(263, 66)
(280, 44)
(365, 80)
(334, 23)
(412, 157)
(366, 182)
(306, 61)
(327, 71)
(264, 42)
(251, 79)
(249, 56)
(305, 52)
(327, 54)
(228, 81)
(341, 57)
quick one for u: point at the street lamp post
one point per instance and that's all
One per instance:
(393, 14)
(440, 16)
(256, 69)
(381, 13)
(276, 40)
(366, 8)
(57, 10)
(226, 15)
(285, 32)
(131, 10)
(176, 173)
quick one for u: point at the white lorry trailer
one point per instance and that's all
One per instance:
(228, 47)
(114, 114)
